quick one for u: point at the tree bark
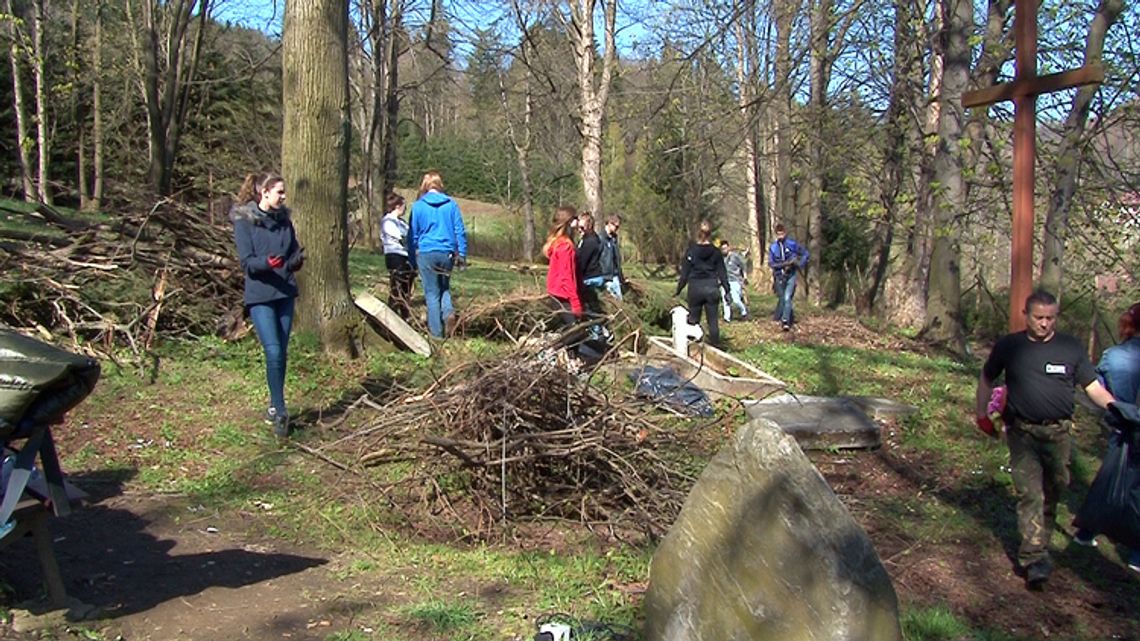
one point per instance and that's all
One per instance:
(314, 156)
(944, 317)
(23, 142)
(1069, 153)
(592, 94)
(78, 117)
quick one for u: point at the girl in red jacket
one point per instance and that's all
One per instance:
(562, 279)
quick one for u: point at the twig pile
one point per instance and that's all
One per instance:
(168, 269)
(528, 438)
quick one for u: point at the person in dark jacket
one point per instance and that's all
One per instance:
(704, 273)
(589, 264)
(270, 256)
(610, 258)
(438, 244)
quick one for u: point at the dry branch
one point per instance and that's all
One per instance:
(523, 437)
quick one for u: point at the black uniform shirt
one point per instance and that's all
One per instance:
(1040, 377)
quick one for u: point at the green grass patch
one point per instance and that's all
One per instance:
(440, 616)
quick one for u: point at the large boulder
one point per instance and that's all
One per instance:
(763, 549)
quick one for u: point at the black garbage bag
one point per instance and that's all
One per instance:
(1112, 506)
(666, 385)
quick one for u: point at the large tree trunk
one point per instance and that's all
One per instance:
(97, 109)
(1069, 153)
(39, 76)
(781, 188)
(314, 161)
(167, 74)
(746, 65)
(592, 94)
(905, 293)
(944, 317)
(907, 77)
(15, 52)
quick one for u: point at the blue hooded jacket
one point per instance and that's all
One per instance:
(436, 225)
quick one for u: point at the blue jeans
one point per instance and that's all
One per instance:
(785, 291)
(736, 298)
(435, 278)
(613, 286)
(273, 321)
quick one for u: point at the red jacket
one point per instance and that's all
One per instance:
(562, 279)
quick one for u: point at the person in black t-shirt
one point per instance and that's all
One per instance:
(703, 271)
(1041, 367)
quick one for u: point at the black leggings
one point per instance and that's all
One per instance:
(400, 277)
(705, 294)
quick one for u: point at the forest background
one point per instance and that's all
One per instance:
(840, 118)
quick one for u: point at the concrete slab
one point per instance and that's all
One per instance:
(820, 423)
(401, 332)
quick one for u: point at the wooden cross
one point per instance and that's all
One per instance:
(1023, 90)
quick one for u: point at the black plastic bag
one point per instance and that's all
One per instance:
(665, 384)
(1112, 506)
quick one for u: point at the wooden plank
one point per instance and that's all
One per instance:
(1037, 85)
(405, 336)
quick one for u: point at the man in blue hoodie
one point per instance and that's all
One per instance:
(437, 242)
(785, 257)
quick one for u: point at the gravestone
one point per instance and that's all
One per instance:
(820, 423)
(764, 550)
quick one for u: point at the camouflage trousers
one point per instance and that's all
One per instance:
(1039, 462)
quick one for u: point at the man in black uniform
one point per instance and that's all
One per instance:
(1041, 368)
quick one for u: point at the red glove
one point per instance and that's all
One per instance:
(276, 262)
(986, 424)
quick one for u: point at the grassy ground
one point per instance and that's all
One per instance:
(186, 426)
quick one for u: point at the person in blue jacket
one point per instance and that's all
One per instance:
(270, 256)
(1119, 371)
(785, 257)
(437, 240)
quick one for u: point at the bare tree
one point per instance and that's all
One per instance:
(1069, 154)
(314, 161)
(747, 100)
(39, 78)
(17, 45)
(593, 89)
(167, 71)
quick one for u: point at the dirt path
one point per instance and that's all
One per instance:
(155, 568)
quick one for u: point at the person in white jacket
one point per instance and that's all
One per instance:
(394, 235)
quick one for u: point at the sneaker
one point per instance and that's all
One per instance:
(787, 327)
(280, 423)
(1037, 573)
(1085, 538)
(1134, 561)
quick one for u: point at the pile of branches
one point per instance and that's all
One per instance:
(525, 437)
(119, 281)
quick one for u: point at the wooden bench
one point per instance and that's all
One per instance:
(31, 518)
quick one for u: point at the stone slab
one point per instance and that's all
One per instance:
(402, 333)
(820, 423)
